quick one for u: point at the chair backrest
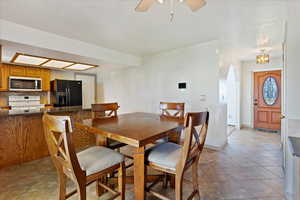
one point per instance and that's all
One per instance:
(57, 130)
(105, 110)
(196, 126)
(167, 108)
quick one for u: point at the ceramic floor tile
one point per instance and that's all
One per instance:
(248, 168)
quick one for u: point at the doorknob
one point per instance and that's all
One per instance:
(255, 102)
(282, 117)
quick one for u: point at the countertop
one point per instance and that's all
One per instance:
(294, 136)
(4, 113)
(295, 144)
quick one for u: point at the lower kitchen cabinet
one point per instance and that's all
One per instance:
(22, 137)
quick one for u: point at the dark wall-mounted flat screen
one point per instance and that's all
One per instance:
(181, 85)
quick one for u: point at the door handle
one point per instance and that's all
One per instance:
(255, 102)
(282, 117)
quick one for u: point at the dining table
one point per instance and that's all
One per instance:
(137, 130)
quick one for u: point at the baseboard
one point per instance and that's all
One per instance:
(217, 148)
(246, 126)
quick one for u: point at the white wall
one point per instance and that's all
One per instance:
(196, 65)
(125, 86)
(293, 61)
(157, 79)
(248, 67)
(142, 88)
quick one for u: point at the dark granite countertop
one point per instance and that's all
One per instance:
(4, 113)
(295, 144)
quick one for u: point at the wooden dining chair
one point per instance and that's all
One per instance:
(106, 110)
(82, 168)
(174, 159)
(173, 111)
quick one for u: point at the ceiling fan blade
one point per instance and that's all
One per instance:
(195, 4)
(144, 5)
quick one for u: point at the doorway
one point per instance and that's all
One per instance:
(88, 89)
(232, 100)
(267, 100)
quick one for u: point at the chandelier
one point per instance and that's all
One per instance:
(263, 58)
(194, 5)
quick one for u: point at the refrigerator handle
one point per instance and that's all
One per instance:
(67, 97)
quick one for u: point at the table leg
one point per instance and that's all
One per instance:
(101, 140)
(139, 173)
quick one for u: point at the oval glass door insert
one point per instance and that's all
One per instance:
(270, 91)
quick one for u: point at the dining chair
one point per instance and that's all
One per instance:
(175, 159)
(106, 110)
(173, 111)
(82, 168)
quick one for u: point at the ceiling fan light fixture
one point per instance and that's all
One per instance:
(194, 5)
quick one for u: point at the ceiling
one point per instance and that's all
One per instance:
(114, 24)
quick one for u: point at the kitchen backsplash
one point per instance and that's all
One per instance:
(4, 96)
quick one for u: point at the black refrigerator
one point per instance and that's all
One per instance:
(66, 93)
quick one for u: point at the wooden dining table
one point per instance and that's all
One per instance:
(137, 130)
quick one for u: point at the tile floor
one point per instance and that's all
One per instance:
(248, 168)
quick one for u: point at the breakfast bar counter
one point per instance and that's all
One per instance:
(22, 135)
(53, 110)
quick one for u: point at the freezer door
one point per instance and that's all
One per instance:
(74, 93)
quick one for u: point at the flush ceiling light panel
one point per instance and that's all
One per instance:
(57, 64)
(80, 67)
(40, 61)
(28, 59)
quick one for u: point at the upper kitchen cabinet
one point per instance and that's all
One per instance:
(33, 72)
(17, 70)
(4, 73)
(7, 70)
(45, 75)
(24, 71)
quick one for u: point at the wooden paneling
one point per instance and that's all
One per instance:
(33, 72)
(3, 77)
(22, 137)
(17, 70)
(7, 70)
(21, 140)
(45, 74)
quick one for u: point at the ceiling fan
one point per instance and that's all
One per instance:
(194, 5)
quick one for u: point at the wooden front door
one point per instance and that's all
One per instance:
(267, 100)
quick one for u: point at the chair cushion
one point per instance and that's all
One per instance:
(162, 140)
(165, 155)
(96, 159)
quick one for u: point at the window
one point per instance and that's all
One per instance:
(270, 91)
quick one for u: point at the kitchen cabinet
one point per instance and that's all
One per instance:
(22, 136)
(33, 72)
(17, 70)
(7, 70)
(45, 74)
(3, 77)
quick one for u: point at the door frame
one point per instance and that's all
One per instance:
(252, 89)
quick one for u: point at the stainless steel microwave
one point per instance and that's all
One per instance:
(25, 84)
